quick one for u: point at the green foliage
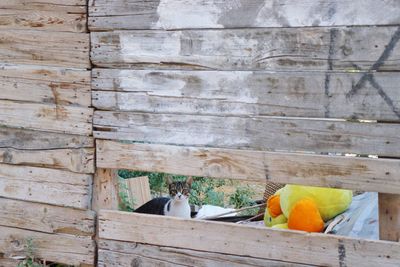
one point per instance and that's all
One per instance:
(204, 191)
(243, 198)
(126, 201)
(30, 260)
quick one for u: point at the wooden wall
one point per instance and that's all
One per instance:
(256, 90)
(46, 143)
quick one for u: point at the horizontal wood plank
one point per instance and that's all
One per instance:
(245, 93)
(62, 21)
(75, 160)
(45, 85)
(257, 133)
(293, 246)
(177, 14)
(23, 139)
(43, 185)
(117, 253)
(320, 49)
(46, 117)
(46, 218)
(382, 175)
(73, 6)
(61, 49)
(57, 248)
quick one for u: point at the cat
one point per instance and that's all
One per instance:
(178, 203)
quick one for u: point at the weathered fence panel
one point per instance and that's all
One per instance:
(251, 90)
(46, 152)
(177, 14)
(322, 49)
(243, 93)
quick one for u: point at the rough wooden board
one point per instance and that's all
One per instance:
(36, 140)
(73, 6)
(50, 186)
(58, 248)
(105, 190)
(137, 189)
(75, 160)
(257, 133)
(9, 262)
(62, 21)
(244, 93)
(45, 85)
(322, 49)
(46, 218)
(117, 253)
(389, 217)
(46, 117)
(177, 14)
(61, 49)
(240, 240)
(382, 175)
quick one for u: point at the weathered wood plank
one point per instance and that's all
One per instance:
(244, 93)
(73, 6)
(258, 133)
(65, 21)
(75, 160)
(9, 262)
(45, 185)
(382, 175)
(117, 253)
(45, 85)
(105, 190)
(177, 14)
(62, 49)
(337, 49)
(58, 248)
(292, 246)
(389, 217)
(46, 218)
(46, 117)
(23, 139)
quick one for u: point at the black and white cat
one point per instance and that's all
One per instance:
(177, 205)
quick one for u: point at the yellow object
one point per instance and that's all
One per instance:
(306, 208)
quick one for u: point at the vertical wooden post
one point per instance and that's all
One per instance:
(105, 190)
(389, 217)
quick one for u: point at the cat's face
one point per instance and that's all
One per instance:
(180, 191)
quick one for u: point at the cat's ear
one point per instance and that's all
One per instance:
(189, 180)
(169, 179)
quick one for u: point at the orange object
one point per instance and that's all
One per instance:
(305, 216)
(274, 206)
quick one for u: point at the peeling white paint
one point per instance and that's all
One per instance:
(202, 16)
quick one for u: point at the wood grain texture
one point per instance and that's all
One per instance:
(257, 133)
(243, 93)
(178, 14)
(73, 6)
(382, 175)
(117, 253)
(105, 190)
(75, 160)
(137, 190)
(322, 49)
(46, 218)
(293, 246)
(59, 248)
(23, 139)
(45, 185)
(61, 49)
(389, 217)
(46, 117)
(45, 85)
(62, 21)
